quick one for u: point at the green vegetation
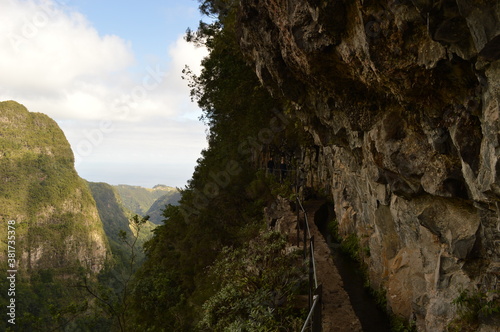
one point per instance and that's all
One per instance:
(182, 284)
(139, 200)
(117, 219)
(155, 212)
(112, 292)
(58, 233)
(61, 224)
(350, 246)
(333, 229)
(473, 307)
(399, 324)
(259, 285)
(127, 234)
(45, 302)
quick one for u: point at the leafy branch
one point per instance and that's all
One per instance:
(115, 302)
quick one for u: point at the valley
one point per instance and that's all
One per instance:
(65, 227)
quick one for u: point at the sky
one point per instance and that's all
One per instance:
(109, 73)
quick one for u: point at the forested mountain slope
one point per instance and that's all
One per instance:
(57, 223)
(139, 199)
(155, 212)
(55, 226)
(116, 220)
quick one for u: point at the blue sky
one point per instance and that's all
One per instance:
(109, 73)
(150, 25)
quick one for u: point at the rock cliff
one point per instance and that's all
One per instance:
(57, 223)
(402, 100)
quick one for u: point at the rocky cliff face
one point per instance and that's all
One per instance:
(57, 223)
(402, 100)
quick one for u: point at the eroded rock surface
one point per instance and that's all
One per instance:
(402, 100)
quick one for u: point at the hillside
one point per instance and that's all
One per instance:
(58, 234)
(155, 212)
(116, 218)
(58, 225)
(113, 215)
(139, 199)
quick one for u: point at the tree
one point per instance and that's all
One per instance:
(112, 292)
(223, 203)
(258, 285)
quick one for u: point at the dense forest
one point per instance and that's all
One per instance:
(196, 275)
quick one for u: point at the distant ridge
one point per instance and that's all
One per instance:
(162, 186)
(139, 200)
(155, 212)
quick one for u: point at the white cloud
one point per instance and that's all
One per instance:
(45, 48)
(55, 62)
(160, 90)
(182, 54)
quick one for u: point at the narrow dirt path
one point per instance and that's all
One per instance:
(338, 314)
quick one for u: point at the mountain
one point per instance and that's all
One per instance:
(48, 212)
(155, 212)
(116, 218)
(56, 219)
(139, 199)
(111, 211)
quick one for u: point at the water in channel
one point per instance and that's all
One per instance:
(371, 316)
